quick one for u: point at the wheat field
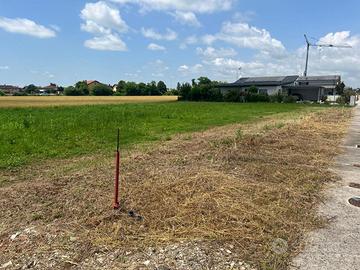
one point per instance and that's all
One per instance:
(46, 101)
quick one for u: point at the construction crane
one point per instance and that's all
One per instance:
(308, 45)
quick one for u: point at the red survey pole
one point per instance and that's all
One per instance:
(117, 168)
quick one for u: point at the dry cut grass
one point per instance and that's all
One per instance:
(46, 101)
(241, 184)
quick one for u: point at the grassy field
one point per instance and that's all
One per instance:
(206, 199)
(35, 134)
(48, 101)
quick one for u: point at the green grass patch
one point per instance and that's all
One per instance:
(35, 134)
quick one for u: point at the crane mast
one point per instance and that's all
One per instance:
(308, 45)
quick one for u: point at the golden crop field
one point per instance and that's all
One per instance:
(46, 101)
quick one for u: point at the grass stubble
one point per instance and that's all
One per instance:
(243, 184)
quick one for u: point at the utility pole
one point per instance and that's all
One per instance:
(308, 45)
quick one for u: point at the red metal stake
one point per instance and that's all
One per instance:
(117, 169)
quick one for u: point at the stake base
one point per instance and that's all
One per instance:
(116, 206)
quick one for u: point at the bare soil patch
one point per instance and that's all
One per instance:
(227, 194)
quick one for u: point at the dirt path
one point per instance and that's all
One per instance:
(233, 197)
(337, 246)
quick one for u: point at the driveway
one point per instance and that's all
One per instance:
(338, 245)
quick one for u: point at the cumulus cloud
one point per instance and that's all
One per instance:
(211, 52)
(190, 40)
(245, 36)
(156, 47)
(152, 34)
(186, 70)
(106, 24)
(198, 6)
(26, 27)
(101, 14)
(106, 43)
(186, 18)
(324, 61)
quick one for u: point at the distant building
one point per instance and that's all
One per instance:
(51, 89)
(10, 89)
(311, 88)
(314, 87)
(92, 83)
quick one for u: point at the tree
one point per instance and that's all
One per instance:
(152, 89)
(131, 89)
(101, 90)
(2, 93)
(204, 80)
(82, 87)
(120, 88)
(161, 87)
(72, 91)
(253, 89)
(340, 88)
(185, 90)
(30, 89)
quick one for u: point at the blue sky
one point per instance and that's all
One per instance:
(64, 41)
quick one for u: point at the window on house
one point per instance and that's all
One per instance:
(262, 91)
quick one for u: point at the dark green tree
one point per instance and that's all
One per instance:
(31, 89)
(153, 90)
(101, 90)
(120, 88)
(82, 87)
(340, 88)
(72, 91)
(131, 89)
(161, 87)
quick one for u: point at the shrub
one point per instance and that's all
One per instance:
(215, 95)
(252, 97)
(2, 93)
(72, 91)
(234, 96)
(341, 100)
(289, 99)
(102, 90)
(20, 94)
(278, 98)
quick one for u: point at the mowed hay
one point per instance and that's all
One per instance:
(246, 187)
(47, 101)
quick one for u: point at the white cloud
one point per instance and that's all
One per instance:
(198, 6)
(191, 40)
(183, 68)
(245, 36)
(106, 24)
(152, 34)
(211, 52)
(324, 61)
(208, 39)
(4, 67)
(186, 18)
(194, 70)
(156, 47)
(102, 15)
(92, 27)
(26, 27)
(106, 43)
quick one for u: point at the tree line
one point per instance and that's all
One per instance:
(123, 88)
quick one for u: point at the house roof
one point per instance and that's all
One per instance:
(320, 78)
(268, 81)
(91, 81)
